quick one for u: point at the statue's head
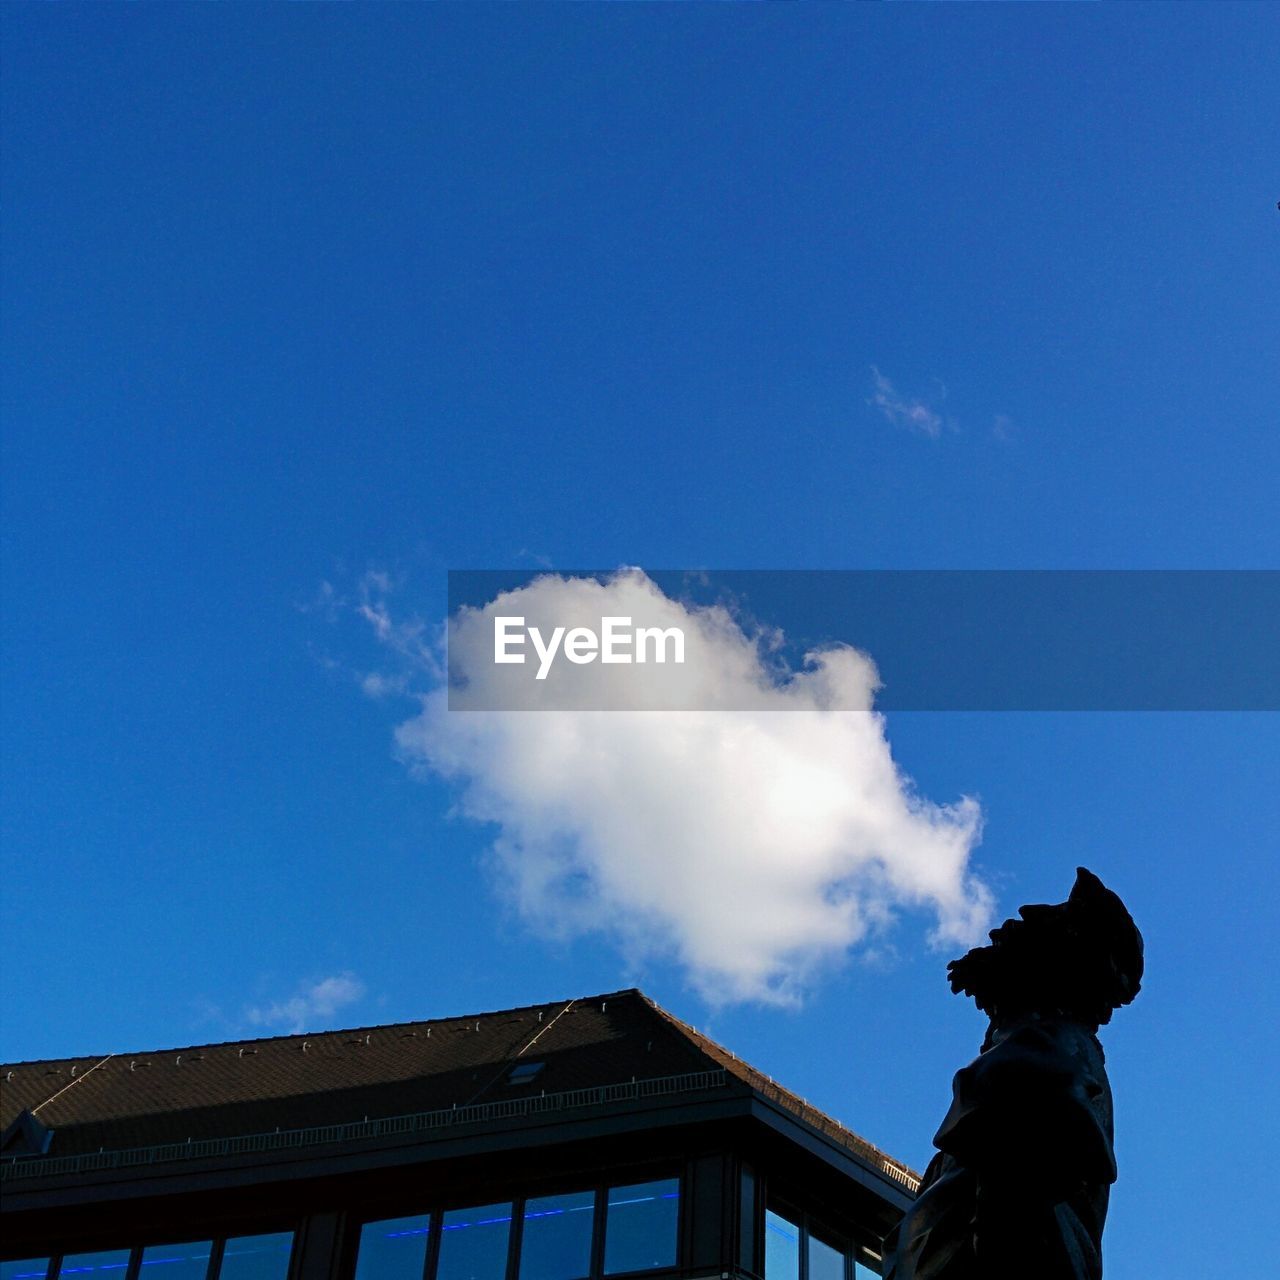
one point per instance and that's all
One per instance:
(1078, 959)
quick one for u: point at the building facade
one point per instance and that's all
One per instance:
(591, 1139)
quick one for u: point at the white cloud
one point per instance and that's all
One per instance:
(911, 413)
(313, 1003)
(756, 840)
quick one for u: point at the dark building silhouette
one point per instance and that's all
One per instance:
(590, 1139)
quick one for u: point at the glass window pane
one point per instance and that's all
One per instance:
(640, 1229)
(96, 1266)
(825, 1262)
(747, 1222)
(257, 1257)
(781, 1248)
(473, 1243)
(556, 1239)
(175, 1261)
(24, 1269)
(393, 1249)
(862, 1272)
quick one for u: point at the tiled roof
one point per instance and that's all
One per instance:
(338, 1077)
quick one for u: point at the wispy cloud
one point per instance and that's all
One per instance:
(313, 1003)
(910, 413)
(414, 641)
(379, 684)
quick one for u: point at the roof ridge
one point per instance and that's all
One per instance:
(753, 1076)
(72, 1059)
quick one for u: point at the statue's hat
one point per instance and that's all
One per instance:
(1099, 914)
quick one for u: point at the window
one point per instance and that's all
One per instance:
(176, 1261)
(393, 1249)
(25, 1269)
(781, 1247)
(640, 1226)
(525, 1072)
(826, 1262)
(791, 1240)
(257, 1257)
(747, 1222)
(567, 1236)
(555, 1242)
(96, 1266)
(260, 1257)
(473, 1243)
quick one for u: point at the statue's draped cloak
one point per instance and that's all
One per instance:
(1024, 1167)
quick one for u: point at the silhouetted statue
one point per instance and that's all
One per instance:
(1025, 1164)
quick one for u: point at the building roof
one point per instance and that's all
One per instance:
(125, 1101)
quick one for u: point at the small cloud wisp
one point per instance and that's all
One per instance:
(912, 414)
(313, 1003)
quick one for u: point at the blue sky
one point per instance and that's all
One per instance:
(296, 295)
